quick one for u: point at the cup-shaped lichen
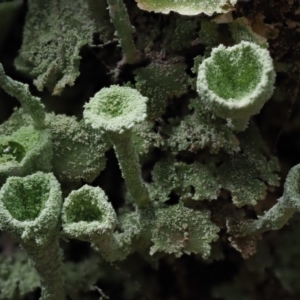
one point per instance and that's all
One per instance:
(187, 7)
(30, 209)
(235, 82)
(25, 151)
(27, 198)
(115, 110)
(87, 215)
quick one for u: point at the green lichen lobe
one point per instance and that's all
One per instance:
(181, 230)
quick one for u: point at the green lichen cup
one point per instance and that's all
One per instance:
(187, 7)
(26, 151)
(87, 215)
(235, 82)
(30, 209)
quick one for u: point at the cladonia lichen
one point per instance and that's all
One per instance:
(132, 144)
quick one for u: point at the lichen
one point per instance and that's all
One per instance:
(187, 7)
(160, 82)
(60, 30)
(181, 230)
(166, 146)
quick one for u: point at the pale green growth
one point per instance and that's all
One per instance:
(14, 285)
(30, 209)
(246, 174)
(198, 181)
(160, 82)
(88, 216)
(54, 33)
(78, 151)
(277, 216)
(235, 82)
(124, 30)
(199, 131)
(30, 103)
(241, 31)
(187, 7)
(124, 241)
(242, 179)
(165, 180)
(8, 13)
(195, 181)
(24, 152)
(180, 230)
(115, 110)
(145, 138)
(18, 278)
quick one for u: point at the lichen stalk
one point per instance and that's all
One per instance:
(46, 259)
(130, 167)
(31, 104)
(120, 19)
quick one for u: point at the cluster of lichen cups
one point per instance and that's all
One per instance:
(31, 206)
